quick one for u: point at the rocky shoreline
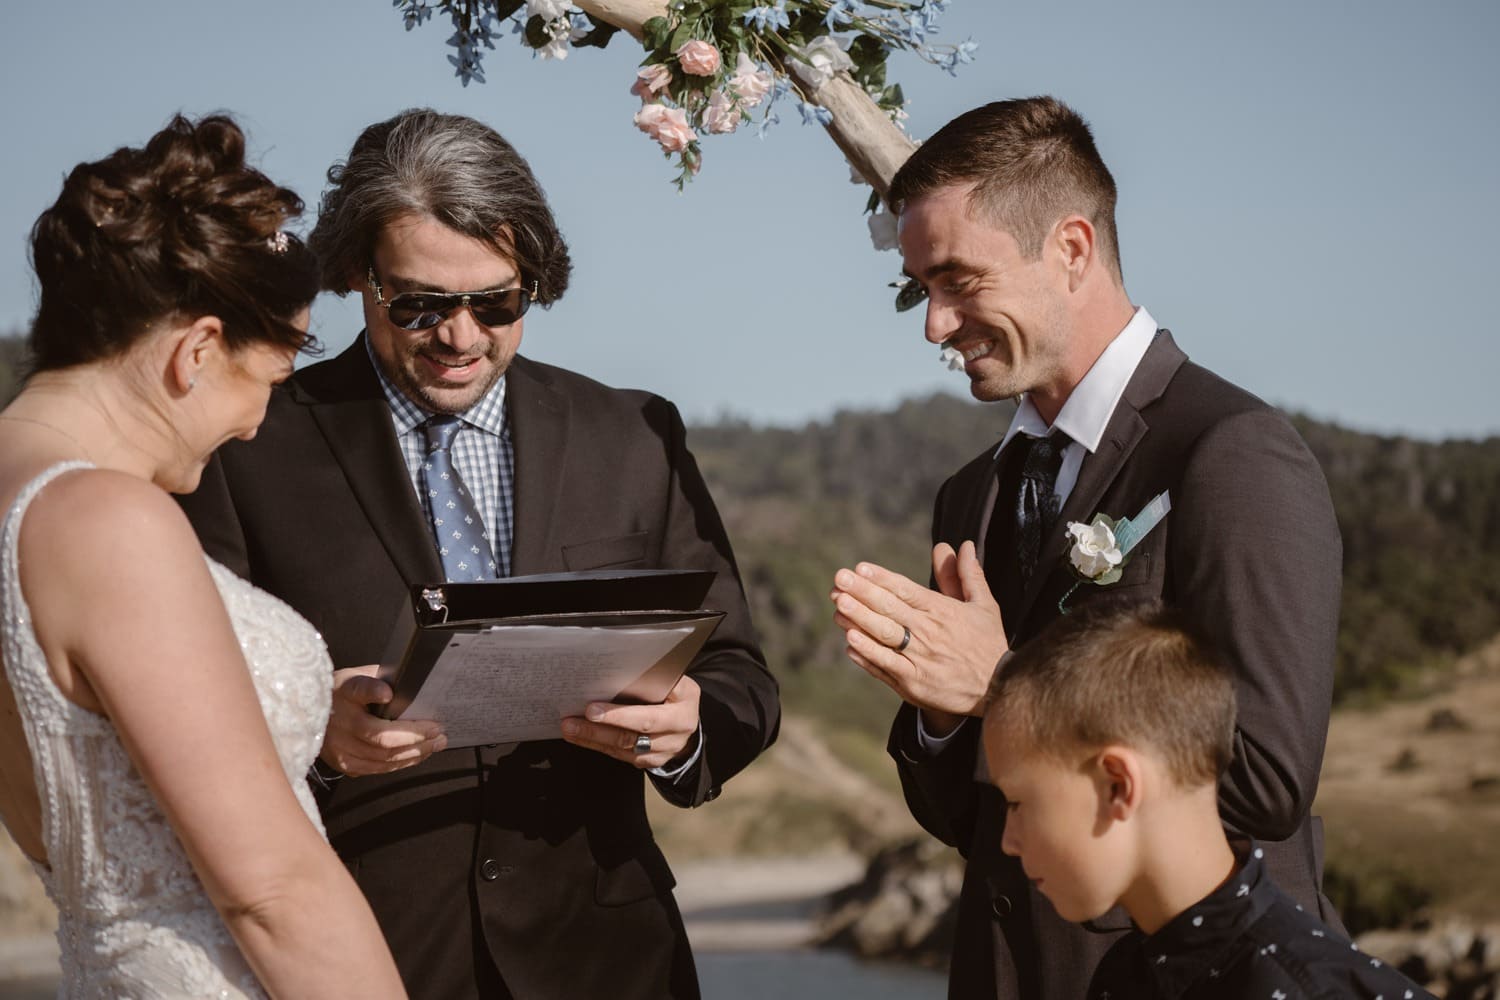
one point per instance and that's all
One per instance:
(904, 909)
(898, 907)
(1455, 959)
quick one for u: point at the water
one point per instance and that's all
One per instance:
(772, 975)
(812, 975)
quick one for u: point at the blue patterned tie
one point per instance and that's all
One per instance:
(462, 541)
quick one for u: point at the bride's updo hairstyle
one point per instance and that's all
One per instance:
(181, 228)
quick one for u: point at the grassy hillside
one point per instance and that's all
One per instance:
(1410, 805)
(1420, 522)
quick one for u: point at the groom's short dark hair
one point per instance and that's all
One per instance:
(1136, 674)
(1031, 160)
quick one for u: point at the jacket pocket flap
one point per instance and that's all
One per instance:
(639, 877)
(601, 552)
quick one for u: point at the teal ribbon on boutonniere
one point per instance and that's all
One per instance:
(1099, 550)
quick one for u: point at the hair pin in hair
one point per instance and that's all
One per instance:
(279, 242)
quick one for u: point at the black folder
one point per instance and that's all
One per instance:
(435, 614)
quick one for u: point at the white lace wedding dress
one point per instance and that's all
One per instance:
(134, 920)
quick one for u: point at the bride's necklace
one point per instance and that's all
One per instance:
(54, 429)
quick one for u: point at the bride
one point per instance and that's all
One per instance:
(160, 714)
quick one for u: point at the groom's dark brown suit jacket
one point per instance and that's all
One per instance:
(539, 863)
(1251, 552)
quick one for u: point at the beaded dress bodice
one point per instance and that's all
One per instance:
(133, 918)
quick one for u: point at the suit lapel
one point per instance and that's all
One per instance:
(538, 415)
(1125, 430)
(349, 408)
(982, 510)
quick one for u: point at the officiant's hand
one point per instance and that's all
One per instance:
(358, 743)
(953, 636)
(614, 729)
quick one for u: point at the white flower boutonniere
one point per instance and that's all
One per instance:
(1099, 550)
(1095, 552)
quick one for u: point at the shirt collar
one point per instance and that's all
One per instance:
(488, 414)
(1195, 945)
(1085, 414)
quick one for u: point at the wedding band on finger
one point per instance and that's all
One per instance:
(642, 744)
(905, 639)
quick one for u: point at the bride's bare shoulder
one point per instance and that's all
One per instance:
(105, 519)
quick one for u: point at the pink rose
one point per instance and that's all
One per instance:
(750, 82)
(698, 58)
(673, 132)
(667, 126)
(650, 81)
(721, 115)
(649, 116)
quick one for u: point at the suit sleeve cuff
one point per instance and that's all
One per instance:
(679, 766)
(324, 775)
(935, 745)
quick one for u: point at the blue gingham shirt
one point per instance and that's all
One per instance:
(485, 460)
(481, 451)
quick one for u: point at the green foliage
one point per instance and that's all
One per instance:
(1420, 522)
(1421, 530)
(536, 32)
(1369, 898)
(770, 36)
(598, 36)
(799, 504)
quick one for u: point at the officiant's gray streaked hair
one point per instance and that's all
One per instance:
(451, 168)
(1031, 161)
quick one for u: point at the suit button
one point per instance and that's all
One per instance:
(1000, 906)
(489, 869)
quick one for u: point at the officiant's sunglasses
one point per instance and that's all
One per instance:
(425, 310)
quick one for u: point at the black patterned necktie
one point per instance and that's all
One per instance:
(1037, 503)
(462, 542)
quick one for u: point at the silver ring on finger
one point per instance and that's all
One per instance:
(642, 744)
(905, 639)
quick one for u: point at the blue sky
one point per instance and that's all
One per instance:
(1309, 192)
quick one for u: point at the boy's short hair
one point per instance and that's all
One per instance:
(1138, 674)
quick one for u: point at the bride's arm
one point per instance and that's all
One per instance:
(122, 598)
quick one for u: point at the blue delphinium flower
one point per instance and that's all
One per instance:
(841, 12)
(928, 17)
(769, 18)
(964, 53)
(414, 13)
(812, 114)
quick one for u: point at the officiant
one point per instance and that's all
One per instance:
(431, 449)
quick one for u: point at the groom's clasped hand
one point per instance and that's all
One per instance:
(936, 648)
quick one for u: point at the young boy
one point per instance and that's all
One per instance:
(1107, 734)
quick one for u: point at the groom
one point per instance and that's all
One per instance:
(494, 871)
(1007, 225)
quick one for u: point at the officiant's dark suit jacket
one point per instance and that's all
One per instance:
(539, 860)
(1251, 552)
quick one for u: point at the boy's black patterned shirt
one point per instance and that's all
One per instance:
(1246, 939)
